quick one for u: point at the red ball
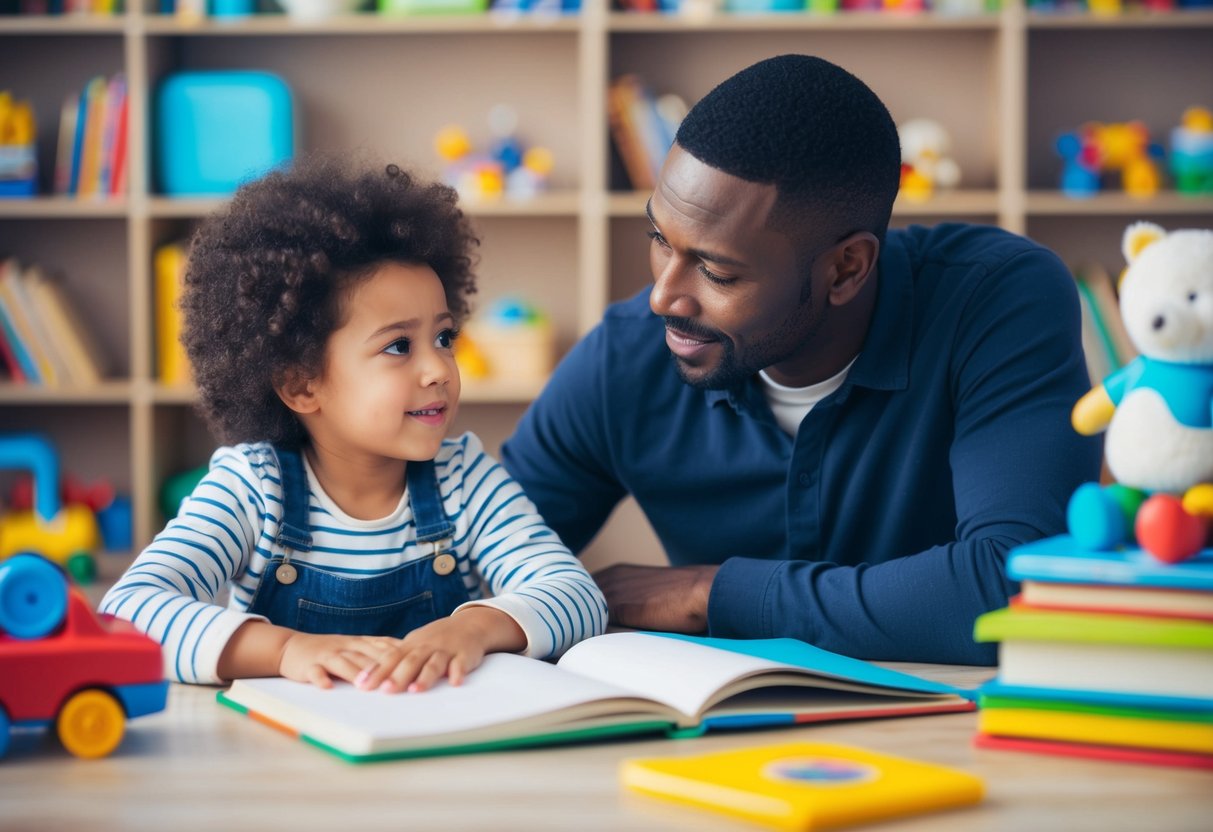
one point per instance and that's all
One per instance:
(1168, 532)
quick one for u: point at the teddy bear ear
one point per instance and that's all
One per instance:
(1138, 236)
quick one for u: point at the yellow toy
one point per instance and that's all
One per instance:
(67, 535)
(925, 163)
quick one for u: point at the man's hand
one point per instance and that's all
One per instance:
(451, 647)
(669, 598)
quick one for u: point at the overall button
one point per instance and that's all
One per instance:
(286, 574)
(444, 564)
(804, 480)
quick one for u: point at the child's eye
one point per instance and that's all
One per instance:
(398, 347)
(446, 339)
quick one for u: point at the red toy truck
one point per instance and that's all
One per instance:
(61, 664)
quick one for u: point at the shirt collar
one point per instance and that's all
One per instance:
(884, 363)
(885, 360)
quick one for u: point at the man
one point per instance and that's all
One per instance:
(855, 426)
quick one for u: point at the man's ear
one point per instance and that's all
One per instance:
(297, 393)
(854, 263)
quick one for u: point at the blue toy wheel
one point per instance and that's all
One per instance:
(33, 596)
(4, 732)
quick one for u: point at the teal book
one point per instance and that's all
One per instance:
(611, 685)
(1061, 559)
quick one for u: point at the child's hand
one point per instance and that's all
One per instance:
(451, 647)
(319, 659)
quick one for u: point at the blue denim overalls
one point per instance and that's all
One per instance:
(311, 599)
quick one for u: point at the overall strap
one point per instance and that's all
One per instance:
(426, 501)
(294, 532)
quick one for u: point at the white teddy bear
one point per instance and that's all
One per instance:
(1158, 410)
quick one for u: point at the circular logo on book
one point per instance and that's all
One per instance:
(820, 771)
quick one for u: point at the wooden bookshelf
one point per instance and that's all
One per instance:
(1004, 84)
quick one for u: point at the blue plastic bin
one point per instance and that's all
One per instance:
(218, 129)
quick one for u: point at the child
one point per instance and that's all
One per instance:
(320, 315)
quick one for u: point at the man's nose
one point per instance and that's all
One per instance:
(673, 287)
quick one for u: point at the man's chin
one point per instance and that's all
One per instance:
(703, 378)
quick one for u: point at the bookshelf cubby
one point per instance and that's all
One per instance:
(1004, 84)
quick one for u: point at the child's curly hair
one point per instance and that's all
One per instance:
(265, 279)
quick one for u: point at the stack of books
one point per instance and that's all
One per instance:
(1103, 654)
(44, 338)
(91, 157)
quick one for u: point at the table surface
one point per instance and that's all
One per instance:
(198, 765)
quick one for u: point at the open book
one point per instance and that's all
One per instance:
(619, 683)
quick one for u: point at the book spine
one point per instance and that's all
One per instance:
(67, 143)
(171, 362)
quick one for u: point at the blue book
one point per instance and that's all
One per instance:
(73, 183)
(1062, 560)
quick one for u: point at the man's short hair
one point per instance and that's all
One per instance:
(814, 130)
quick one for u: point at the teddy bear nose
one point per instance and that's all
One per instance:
(1159, 322)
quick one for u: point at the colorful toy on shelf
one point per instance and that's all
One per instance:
(1097, 149)
(177, 487)
(509, 168)
(113, 511)
(1192, 152)
(66, 534)
(61, 665)
(18, 148)
(514, 340)
(925, 164)
(1158, 410)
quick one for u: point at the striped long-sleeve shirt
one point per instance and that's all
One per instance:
(224, 535)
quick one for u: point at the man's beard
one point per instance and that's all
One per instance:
(732, 372)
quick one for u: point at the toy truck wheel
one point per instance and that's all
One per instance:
(33, 596)
(3, 732)
(82, 567)
(91, 724)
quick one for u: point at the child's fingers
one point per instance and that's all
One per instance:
(317, 675)
(346, 665)
(458, 669)
(434, 669)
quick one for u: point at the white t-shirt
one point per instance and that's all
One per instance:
(791, 404)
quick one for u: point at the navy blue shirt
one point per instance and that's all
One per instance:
(881, 529)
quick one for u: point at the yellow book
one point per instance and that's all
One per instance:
(90, 151)
(804, 785)
(1100, 729)
(172, 366)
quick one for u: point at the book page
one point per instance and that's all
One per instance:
(690, 676)
(677, 673)
(506, 688)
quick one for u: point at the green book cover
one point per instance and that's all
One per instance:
(1092, 628)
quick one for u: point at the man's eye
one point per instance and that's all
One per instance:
(713, 277)
(656, 237)
(446, 339)
(398, 347)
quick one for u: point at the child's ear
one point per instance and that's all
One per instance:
(296, 391)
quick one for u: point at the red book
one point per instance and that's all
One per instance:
(1113, 753)
(117, 183)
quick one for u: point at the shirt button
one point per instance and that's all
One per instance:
(803, 479)
(444, 564)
